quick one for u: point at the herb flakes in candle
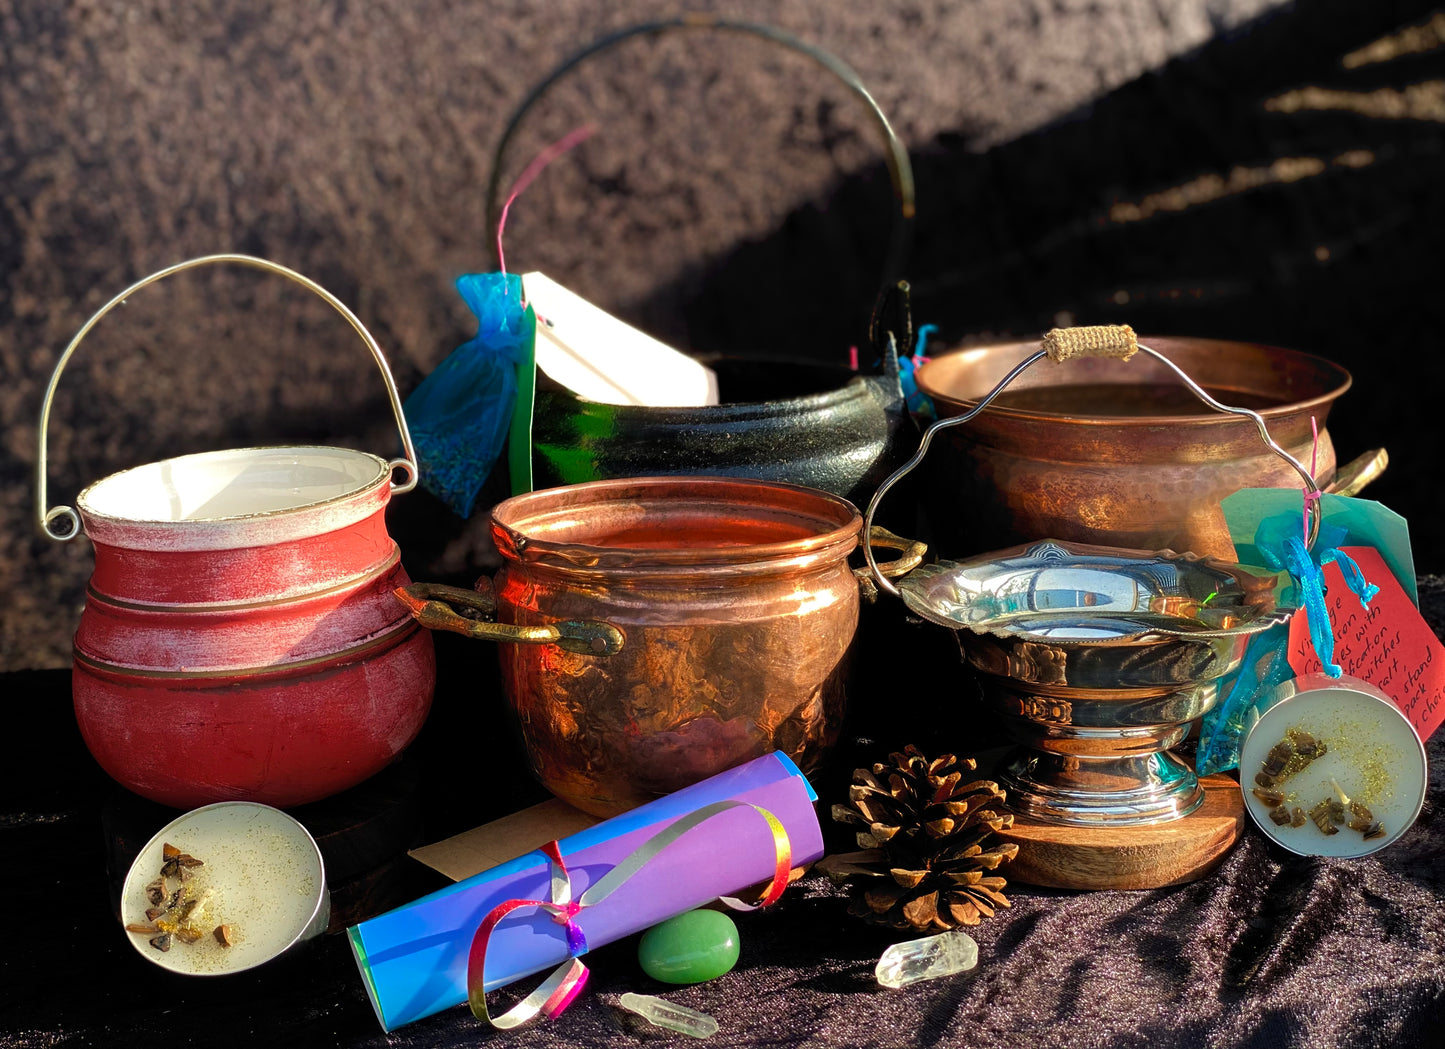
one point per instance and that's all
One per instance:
(1323, 820)
(1270, 797)
(1292, 755)
(173, 913)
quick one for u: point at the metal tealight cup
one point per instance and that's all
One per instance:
(261, 874)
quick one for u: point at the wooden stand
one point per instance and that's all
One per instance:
(1130, 857)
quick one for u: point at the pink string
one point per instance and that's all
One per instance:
(531, 171)
(853, 357)
(1312, 497)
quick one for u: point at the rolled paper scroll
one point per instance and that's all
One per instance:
(413, 960)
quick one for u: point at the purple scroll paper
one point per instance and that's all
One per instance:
(413, 960)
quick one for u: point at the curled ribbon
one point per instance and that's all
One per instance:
(565, 983)
(1282, 550)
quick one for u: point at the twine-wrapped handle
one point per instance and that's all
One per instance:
(1099, 340)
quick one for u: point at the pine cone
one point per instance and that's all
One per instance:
(928, 840)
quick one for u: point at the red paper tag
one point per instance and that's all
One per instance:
(1390, 646)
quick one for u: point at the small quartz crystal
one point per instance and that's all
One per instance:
(661, 1013)
(913, 961)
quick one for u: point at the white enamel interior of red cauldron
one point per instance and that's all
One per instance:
(213, 486)
(245, 496)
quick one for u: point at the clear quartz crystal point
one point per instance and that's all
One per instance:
(913, 961)
(661, 1013)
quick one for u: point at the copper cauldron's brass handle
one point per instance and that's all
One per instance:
(1062, 344)
(431, 604)
(910, 558)
(1358, 473)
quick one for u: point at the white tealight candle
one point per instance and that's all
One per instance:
(1372, 768)
(261, 875)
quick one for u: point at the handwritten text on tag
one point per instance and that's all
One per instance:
(1390, 645)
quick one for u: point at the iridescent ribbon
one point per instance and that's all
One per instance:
(561, 988)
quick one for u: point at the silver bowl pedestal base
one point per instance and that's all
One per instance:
(1076, 792)
(1102, 775)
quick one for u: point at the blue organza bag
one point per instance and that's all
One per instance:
(460, 414)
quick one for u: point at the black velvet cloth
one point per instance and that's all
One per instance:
(1271, 950)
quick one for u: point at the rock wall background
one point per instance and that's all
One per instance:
(1235, 168)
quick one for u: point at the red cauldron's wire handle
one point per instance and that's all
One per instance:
(1061, 344)
(63, 523)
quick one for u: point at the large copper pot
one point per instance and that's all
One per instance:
(686, 625)
(1119, 453)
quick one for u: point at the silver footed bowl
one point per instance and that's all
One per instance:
(1099, 660)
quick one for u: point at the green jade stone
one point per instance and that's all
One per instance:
(689, 948)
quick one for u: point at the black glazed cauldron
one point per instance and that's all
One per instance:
(808, 423)
(801, 422)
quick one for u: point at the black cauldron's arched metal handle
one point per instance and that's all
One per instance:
(900, 171)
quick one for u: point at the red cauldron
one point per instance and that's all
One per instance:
(239, 639)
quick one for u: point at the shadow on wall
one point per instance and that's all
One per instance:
(1281, 185)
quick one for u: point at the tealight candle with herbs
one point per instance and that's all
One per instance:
(1333, 768)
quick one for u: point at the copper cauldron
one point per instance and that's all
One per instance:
(1104, 451)
(659, 630)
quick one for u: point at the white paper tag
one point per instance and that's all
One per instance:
(604, 359)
